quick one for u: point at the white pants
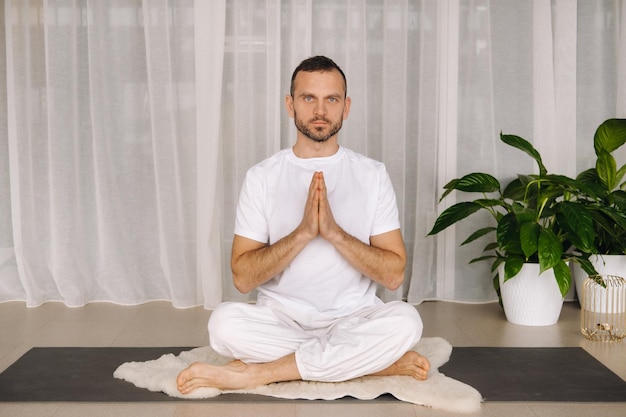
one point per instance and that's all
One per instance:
(326, 349)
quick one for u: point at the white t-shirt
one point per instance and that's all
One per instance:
(271, 205)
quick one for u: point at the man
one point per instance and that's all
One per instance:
(316, 230)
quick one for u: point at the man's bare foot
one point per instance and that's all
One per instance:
(410, 364)
(233, 375)
(236, 374)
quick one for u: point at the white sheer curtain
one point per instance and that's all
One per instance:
(126, 126)
(101, 152)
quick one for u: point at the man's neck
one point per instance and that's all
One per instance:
(308, 148)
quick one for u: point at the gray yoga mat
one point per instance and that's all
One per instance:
(535, 374)
(77, 374)
(500, 374)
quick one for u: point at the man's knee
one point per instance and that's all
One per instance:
(411, 322)
(251, 333)
(225, 327)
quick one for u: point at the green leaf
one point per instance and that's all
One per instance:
(619, 176)
(563, 276)
(524, 145)
(449, 187)
(607, 170)
(494, 266)
(491, 246)
(579, 223)
(610, 229)
(616, 217)
(550, 249)
(587, 266)
(496, 286)
(619, 198)
(589, 176)
(515, 190)
(523, 214)
(524, 190)
(593, 189)
(529, 236)
(489, 202)
(508, 234)
(477, 234)
(563, 183)
(478, 182)
(512, 266)
(453, 214)
(610, 135)
(599, 279)
(482, 258)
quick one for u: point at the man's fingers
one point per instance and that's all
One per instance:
(322, 183)
(310, 219)
(313, 186)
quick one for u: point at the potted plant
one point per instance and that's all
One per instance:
(537, 219)
(605, 200)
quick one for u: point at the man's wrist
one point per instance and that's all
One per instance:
(339, 237)
(302, 236)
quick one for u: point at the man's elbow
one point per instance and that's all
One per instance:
(241, 284)
(243, 289)
(239, 280)
(395, 284)
(394, 281)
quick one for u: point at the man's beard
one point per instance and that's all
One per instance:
(315, 134)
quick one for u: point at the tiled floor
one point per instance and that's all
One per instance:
(159, 324)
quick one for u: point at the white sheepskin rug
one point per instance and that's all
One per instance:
(438, 391)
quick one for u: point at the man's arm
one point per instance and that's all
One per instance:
(254, 263)
(383, 260)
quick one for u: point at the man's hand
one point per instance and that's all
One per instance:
(328, 228)
(310, 220)
(318, 217)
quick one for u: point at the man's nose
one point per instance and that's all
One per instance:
(320, 108)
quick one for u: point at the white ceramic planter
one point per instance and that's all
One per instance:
(531, 299)
(604, 264)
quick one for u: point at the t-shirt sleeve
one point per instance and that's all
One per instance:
(386, 218)
(250, 221)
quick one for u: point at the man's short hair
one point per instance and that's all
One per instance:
(318, 63)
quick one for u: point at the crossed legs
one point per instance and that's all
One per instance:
(340, 354)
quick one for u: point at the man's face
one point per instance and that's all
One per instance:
(318, 105)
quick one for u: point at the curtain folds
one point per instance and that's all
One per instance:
(126, 127)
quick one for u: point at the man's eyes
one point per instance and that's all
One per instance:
(310, 99)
